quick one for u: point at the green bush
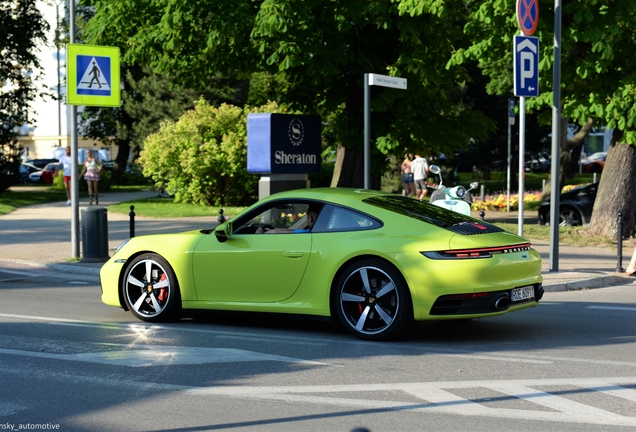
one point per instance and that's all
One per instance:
(201, 158)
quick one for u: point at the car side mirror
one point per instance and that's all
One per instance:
(223, 232)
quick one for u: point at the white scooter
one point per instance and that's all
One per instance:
(457, 198)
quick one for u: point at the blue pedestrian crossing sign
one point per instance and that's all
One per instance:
(526, 66)
(93, 75)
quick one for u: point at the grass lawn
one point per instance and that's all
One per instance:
(16, 198)
(167, 208)
(11, 200)
(573, 236)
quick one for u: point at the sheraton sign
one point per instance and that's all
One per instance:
(283, 144)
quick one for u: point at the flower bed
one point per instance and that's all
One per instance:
(497, 201)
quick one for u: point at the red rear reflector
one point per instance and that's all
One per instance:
(464, 296)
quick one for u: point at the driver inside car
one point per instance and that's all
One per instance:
(312, 215)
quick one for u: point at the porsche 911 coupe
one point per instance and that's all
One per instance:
(374, 261)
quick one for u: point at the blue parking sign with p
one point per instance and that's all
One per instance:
(526, 66)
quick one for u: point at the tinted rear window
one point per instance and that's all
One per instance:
(426, 212)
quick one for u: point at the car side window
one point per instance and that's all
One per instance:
(337, 219)
(280, 215)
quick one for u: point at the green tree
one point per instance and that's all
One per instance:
(598, 83)
(317, 53)
(22, 28)
(147, 100)
(201, 157)
(148, 97)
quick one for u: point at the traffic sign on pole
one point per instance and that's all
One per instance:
(526, 66)
(528, 16)
(377, 80)
(387, 81)
(93, 75)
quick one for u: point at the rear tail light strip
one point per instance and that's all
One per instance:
(476, 253)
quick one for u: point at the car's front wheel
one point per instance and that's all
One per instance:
(150, 288)
(373, 301)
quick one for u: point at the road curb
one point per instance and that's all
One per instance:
(64, 268)
(591, 283)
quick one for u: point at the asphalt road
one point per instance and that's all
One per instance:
(67, 362)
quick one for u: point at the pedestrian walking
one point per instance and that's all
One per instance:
(66, 162)
(92, 168)
(407, 177)
(419, 166)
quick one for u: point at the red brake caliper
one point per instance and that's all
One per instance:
(163, 293)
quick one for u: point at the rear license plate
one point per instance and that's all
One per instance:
(523, 293)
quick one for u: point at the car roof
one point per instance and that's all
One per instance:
(343, 196)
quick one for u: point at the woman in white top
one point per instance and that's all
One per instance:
(91, 168)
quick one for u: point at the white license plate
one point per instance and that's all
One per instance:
(523, 293)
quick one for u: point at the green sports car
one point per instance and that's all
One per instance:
(374, 261)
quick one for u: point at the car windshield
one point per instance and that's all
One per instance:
(425, 212)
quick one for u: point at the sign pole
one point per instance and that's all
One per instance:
(511, 121)
(555, 184)
(383, 81)
(367, 133)
(74, 174)
(526, 83)
(522, 154)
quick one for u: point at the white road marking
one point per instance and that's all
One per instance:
(495, 358)
(143, 327)
(621, 308)
(147, 355)
(436, 397)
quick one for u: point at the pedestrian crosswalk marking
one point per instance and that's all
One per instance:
(438, 397)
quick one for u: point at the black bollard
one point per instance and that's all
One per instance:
(132, 221)
(482, 214)
(221, 218)
(619, 245)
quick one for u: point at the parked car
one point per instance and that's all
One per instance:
(46, 175)
(50, 171)
(41, 163)
(575, 206)
(538, 163)
(35, 177)
(371, 260)
(25, 170)
(595, 163)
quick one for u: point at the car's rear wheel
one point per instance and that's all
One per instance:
(373, 301)
(150, 288)
(569, 216)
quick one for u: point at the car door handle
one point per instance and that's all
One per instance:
(293, 254)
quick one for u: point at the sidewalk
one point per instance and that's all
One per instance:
(40, 235)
